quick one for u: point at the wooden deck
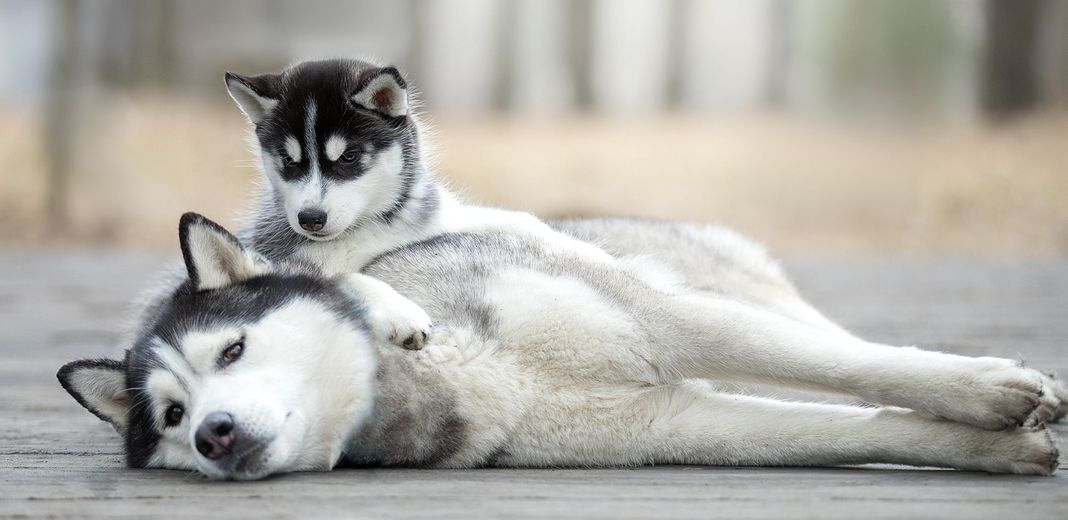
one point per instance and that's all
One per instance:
(58, 460)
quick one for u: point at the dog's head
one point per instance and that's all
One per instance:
(337, 141)
(245, 370)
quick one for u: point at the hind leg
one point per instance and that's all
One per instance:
(709, 338)
(716, 262)
(688, 424)
(702, 259)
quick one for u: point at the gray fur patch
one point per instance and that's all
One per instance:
(415, 421)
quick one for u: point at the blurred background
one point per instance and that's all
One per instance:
(820, 127)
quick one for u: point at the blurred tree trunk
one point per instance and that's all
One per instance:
(1010, 74)
(507, 29)
(59, 113)
(417, 25)
(676, 55)
(580, 26)
(154, 58)
(779, 53)
(1055, 30)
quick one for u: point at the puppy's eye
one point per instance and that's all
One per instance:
(349, 157)
(232, 353)
(173, 415)
(287, 161)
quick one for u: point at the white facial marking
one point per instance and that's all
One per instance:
(293, 148)
(335, 146)
(346, 201)
(319, 371)
(309, 139)
(176, 362)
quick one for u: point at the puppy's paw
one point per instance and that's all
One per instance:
(402, 323)
(412, 339)
(391, 316)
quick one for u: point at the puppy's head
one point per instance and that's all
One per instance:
(336, 139)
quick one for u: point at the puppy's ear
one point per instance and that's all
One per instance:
(214, 257)
(256, 96)
(100, 386)
(384, 91)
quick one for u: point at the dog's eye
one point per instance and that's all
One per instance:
(174, 415)
(349, 157)
(287, 161)
(232, 353)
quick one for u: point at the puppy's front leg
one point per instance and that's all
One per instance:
(392, 317)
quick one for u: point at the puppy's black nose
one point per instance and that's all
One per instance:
(312, 219)
(215, 435)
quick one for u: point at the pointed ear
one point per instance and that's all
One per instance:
(100, 386)
(384, 91)
(214, 257)
(255, 95)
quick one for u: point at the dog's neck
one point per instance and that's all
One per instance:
(415, 419)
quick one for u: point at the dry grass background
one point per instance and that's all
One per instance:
(800, 186)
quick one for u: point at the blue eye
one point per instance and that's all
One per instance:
(349, 157)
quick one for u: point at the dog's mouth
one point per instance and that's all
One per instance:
(250, 461)
(322, 237)
(318, 236)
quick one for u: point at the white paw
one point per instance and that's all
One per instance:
(991, 393)
(1053, 405)
(1025, 451)
(392, 317)
(401, 322)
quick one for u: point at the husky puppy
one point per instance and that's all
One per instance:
(541, 357)
(347, 180)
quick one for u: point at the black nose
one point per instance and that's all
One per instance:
(312, 219)
(215, 435)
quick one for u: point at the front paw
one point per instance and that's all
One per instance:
(1053, 402)
(403, 324)
(413, 338)
(996, 394)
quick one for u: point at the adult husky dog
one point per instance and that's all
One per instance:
(548, 349)
(541, 357)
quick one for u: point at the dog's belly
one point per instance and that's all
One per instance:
(562, 359)
(561, 329)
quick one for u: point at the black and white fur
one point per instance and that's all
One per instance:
(584, 343)
(541, 357)
(338, 138)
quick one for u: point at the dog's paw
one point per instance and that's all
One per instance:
(401, 322)
(994, 394)
(1054, 405)
(1024, 451)
(391, 316)
(411, 339)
